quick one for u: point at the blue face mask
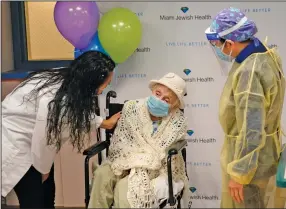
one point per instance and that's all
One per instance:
(157, 107)
(221, 55)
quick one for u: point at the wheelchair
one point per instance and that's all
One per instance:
(96, 149)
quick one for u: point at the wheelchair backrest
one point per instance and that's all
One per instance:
(114, 108)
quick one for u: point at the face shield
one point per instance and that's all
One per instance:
(217, 45)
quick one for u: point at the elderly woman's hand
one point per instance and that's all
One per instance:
(111, 122)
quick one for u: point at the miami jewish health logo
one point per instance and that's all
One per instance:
(191, 138)
(184, 14)
(256, 10)
(270, 46)
(192, 79)
(196, 196)
(143, 49)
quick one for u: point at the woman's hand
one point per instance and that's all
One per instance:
(45, 177)
(111, 122)
(114, 119)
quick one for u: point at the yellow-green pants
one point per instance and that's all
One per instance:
(254, 194)
(108, 189)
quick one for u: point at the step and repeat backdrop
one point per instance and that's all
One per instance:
(174, 41)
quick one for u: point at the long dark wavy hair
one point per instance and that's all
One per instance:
(74, 103)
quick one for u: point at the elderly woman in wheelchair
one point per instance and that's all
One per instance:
(134, 174)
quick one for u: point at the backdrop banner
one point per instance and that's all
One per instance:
(174, 41)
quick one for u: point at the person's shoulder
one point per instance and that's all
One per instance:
(181, 115)
(134, 102)
(256, 61)
(178, 120)
(258, 66)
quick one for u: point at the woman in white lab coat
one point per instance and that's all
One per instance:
(46, 110)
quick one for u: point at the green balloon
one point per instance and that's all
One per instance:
(120, 33)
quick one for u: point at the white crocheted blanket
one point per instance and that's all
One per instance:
(134, 147)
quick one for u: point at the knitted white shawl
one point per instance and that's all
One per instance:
(133, 147)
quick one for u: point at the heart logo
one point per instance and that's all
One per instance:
(193, 189)
(187, 71)
(190, 132)
(184, 9)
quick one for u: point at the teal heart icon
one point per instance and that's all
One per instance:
(184, 9)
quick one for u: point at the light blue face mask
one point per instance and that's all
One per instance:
(157, 107)
(221, 55)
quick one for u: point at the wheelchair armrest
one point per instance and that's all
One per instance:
(90, 152)
(173, 150)
(96, 148)
(177, 147)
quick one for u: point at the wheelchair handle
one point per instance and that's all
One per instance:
(108, 95)
(107, 103)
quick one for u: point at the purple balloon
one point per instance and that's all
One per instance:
(77, 21)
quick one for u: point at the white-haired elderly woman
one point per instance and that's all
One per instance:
(135, 173)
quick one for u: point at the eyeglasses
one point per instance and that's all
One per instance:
(216, 43)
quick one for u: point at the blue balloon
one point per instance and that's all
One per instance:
(94, 45)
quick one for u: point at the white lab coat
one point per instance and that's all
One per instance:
(23, 136)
